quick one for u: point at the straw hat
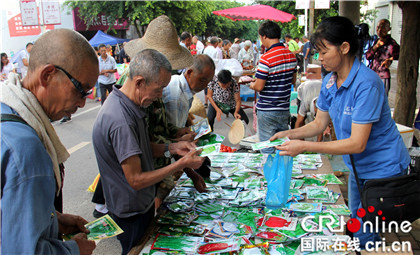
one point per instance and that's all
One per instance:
(161, 36)
(236, 132)
(197, 107)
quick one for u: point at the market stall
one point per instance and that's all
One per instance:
(232, 215)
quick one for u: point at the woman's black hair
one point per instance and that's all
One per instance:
(224, 76)
(336, 30)
(3, 54)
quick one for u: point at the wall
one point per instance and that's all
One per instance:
(15, 44)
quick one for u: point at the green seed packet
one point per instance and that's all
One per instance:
(209, 149)
(209, 208)
(188, 244)
(336, 222)
(341, 209)
(306, 207)
(331, 178)
(101, 228)
(193, 229)
(333, 197)
(311, 181)
(268, 144)
(319, 193)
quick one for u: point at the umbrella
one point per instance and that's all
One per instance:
(102, 38)
(259, 12)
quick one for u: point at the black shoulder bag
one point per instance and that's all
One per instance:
(397, 197)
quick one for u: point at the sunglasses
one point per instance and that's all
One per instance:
(77, 84)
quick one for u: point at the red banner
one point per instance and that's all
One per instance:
(101, 22)
(16, 28)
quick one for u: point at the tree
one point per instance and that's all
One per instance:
(408, 64)
(192, 16)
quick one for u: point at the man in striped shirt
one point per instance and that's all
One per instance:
(275, 75)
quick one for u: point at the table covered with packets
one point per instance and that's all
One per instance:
(231, 218)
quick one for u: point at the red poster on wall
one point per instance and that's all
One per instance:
(16, 28)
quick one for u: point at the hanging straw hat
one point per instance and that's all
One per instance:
(161, 36)
(236, 132)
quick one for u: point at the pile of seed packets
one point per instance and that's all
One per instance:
(231, 216)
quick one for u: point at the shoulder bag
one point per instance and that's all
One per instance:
(397, 197)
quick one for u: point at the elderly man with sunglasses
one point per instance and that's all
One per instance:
(32, 155)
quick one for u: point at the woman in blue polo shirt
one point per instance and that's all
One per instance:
(353, 96)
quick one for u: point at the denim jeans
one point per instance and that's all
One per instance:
(271, 122)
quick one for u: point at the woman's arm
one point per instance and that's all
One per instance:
(309, 130)
(356, 143)
(238, 105)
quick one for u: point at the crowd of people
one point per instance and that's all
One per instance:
(141, 137)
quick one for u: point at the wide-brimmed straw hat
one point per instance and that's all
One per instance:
(161, 35)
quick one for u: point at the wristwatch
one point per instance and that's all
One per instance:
(167, 153)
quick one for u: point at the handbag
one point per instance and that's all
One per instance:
(224, 107)
(398, 198)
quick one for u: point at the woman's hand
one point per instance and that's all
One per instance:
(281, 134)
(291, 148)
(237, 115)
(219, 115)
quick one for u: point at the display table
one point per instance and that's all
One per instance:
(144, 245)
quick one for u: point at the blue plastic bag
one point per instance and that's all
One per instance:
(278, 173)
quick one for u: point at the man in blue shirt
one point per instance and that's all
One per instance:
(32, 155)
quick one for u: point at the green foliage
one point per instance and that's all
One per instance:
(292, 27)
(193, 16)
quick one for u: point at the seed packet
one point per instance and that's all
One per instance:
(209, 149)
(219, 232)
(295, 192)
(220, 247)
(306, 207)
(311, 181)
(280, 223)
(335, 223)
(101, 228)
(331, 178)
(314, 192)
(295, 198)
(272, 235)
(209, 208)
(268, 144)
(291, 248)
(257, 249)
(180, 206)
(294, 234)
(187, 244)
(308, 166)
(193, 229)
(313, 158)
(332, 198)
(201, 128)
(277, 249)
(341, 209)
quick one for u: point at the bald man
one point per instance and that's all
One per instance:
(32, 155)
(124, 152)
(178, 95)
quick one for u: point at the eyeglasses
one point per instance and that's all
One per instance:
(77, 84)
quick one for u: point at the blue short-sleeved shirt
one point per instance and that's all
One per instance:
(119, 132)
(361, 99)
